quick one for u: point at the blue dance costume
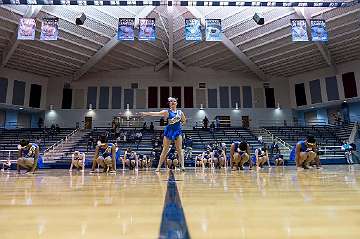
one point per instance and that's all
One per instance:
(260, 153)
(29, 153)
(106, 151)
(240, 146)
(130, 156)
(173, 129)
(302, 149)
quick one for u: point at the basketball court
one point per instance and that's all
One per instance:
(276, 203)
(174, 119)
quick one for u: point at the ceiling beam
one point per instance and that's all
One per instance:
(31, 12)
(161, 64)
(108, 46)
(303, 13)
(234, 49)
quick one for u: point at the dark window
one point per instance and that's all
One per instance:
(67, 99)
(300, 94)
(188, 97)
(176, 93)
(349, 85)
(164, 95)
(153, 97)
(270, 97)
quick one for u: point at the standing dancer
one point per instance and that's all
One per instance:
(172, 131)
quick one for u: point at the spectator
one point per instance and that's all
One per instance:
(38, 140)
(212, 127)
(188, 147)
(144, 126)
(205, 122)
(52, 128)
(348, 152)
(113, 125)
(138, 136)
(57, 128)
(40, 122)
(355, 153)
(162, 121)
(90, 143)
(274, 148)
(117, 132)
(151, 127)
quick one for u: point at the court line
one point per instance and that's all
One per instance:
(173, 221)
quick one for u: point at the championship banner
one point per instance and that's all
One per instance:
(298, 30)
(26, 29)
(318, 30)
(193, 29)
(213, 30)
(126, 29)
(147, 30)
(49, 29)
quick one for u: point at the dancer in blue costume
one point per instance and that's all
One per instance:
(28, 156)
(261, 157)
(240, 154)
(104, 156)
(172, 132)
(305, 153)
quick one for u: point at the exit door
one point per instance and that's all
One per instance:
(88, 122)
(245, 121)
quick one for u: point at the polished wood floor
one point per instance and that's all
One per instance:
(276, 203)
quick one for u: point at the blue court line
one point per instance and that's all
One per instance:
(173, 222)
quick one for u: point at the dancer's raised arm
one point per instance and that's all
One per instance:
(163, 113)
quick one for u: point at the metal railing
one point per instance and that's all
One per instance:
(273, 138)
(354, 132)
(50, 152)
(7, 155)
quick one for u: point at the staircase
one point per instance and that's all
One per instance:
(64, 146)
(268, 138)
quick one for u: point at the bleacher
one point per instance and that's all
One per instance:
(9, 138)
(329, 138)
(325, 135)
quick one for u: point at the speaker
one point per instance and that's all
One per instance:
(81, 19)
(259, 18)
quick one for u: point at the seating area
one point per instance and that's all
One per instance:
(326, 136)
(9, 138)
(329, 138)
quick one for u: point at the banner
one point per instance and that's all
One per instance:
(49, 29)
(147, 30)
(298, 30)
(126, 29)
(26, 29)
(318, 30)
(193, 29)
(213, 30)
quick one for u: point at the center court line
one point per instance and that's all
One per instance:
(173, 222)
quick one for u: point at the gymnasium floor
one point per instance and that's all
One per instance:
(276, 203)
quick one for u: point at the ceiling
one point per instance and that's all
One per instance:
(247, 47)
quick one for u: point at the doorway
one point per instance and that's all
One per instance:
(245, 121)
(88, 122)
